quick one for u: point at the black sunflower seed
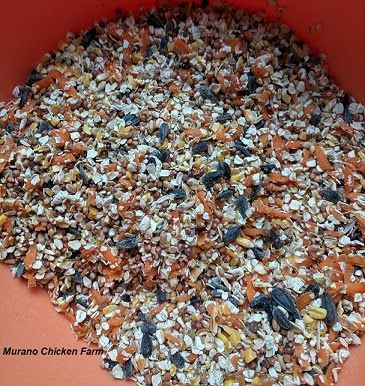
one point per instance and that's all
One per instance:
(74, 231)
(261, 302)
(267, 168)
(163, 131)
(131, 119)
(82, 301)
(347, 117)
(314, 288)
(216, 294)
(142, 316)
(275, 239)
(255, 192)
(330, 195)
(211, 178)
(89, 36)
(161, 296)
(163, 42)
(146, 346)
(225, 170)
(239, 145)
(225, 194)
(33, 77)
(178, 360)
(281, 319)
(231, 233)
(24, 94)
(19, 269)
(85, 178)
(260, 124)
(44, 126)
(217, 284)
(252, 84)
(148, 328)
(127, 243)
(242, 205)
(156, 20)
(315, 119)
(258, 253)
(200, 147)
(9, 128)
(328, 303)
(207, 93)
(109, 363)
(161, 155)
(223, 118)
(178, 193)
(283, 298)
(127, 368)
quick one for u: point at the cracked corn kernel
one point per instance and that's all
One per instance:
(229, 382)
(249, 355)
(317, 313)
(3, 219)
(244, 242)
(93, 212)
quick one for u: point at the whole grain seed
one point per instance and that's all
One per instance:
(111, 160)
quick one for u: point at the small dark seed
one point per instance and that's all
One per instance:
(223, 118)
(217, 294)
(211, 178)
(82, 301)
(127, 243)
(127, 368)
(161, 296)
(44, 126)
(207, 93)
(178, 360)
(148, 328)
(242, 205)
(283, 298)
(163, 131)
(131, 119)
(109, 363)
(314, 288)
(146, 346)
(89, 36)
(217, 284)
(163, 42)
(258, 253)
(233, 300)
(85, 178)
(347, 117)
(178, 193)
(281, 319)
(267, 168)
(142, 316)
(330, 195)
(252, 84)
(24, 94)
(260, 302)
(275, 239)
(195, 301)
(225, 170)
(328, 303)
(126, 298)
(260, 124)
(315, 119)
(33, 77)
(161, 155)
(239, 145)
(200, 147)
(77, 277)
(225, 194)
(9, 128)
(231, 233)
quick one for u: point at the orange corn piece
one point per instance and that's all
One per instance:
(303, 300)
(108, 256)
(251, 292)
(353, 288)
(63, 159)
(322, 159)
(30, 256)
(181, 46)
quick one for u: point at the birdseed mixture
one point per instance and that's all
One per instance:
(189, 187)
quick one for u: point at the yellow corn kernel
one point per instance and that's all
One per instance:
(222, 337)
(307, 319)
(249, 355)
(3, 219)
(195, 381)
(256, 382)
(54, 121)
(236, 178)
(235, 337)
(317, 313)
(109, 309)
(229, 382)
(362, 155)
(93, 212)
(165, 145)
(129, 174)
(244, 242)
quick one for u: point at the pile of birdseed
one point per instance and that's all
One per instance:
(189, 187)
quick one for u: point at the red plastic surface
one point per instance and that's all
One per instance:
(30, 28)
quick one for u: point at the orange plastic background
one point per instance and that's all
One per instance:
(28, 29)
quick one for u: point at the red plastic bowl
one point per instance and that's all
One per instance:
(30, 28)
